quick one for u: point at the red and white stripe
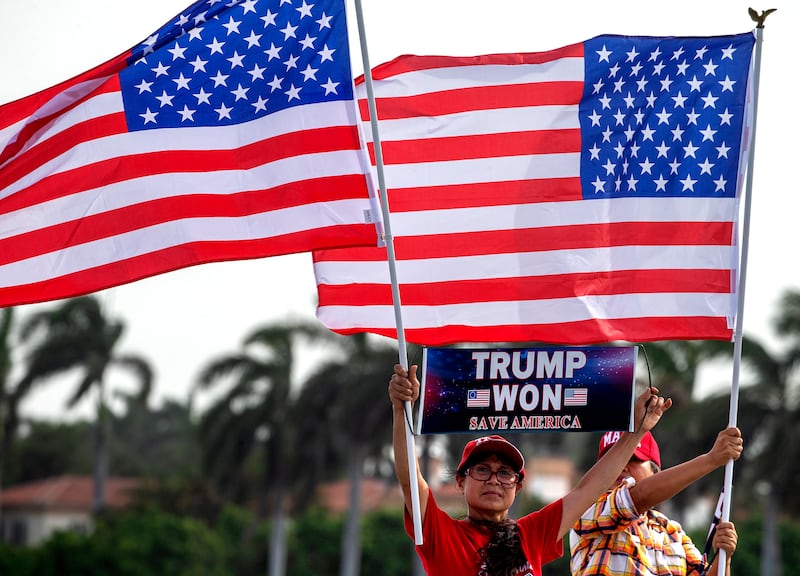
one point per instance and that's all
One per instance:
(493, 240)
(86, 205)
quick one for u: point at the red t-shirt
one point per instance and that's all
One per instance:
(451, 547)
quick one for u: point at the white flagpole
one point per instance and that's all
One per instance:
(387, 228)
(733, 410)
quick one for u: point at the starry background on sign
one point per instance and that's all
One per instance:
(663, 116)
(222, 64)
(450, 373)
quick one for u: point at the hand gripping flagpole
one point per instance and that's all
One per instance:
(389, 239)
(737, 349)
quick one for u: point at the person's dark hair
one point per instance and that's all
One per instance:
(502, 555)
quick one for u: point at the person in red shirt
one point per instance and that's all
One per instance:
(491, 471)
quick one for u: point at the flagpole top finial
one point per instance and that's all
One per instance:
(759, 18)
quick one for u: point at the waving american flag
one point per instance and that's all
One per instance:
(586, 194)
(229, 133)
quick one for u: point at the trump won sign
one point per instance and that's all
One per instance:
(527, 389)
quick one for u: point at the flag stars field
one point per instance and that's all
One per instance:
(683, 93)
(230, 57)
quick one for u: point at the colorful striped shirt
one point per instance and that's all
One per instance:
(613, 539)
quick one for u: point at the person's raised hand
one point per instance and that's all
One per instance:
(725, 538)
(649, 408)
(403, 385)
(728, 446)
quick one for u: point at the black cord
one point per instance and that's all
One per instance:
(409, 422)
(649, 386)
(416, 357)
(709, 553)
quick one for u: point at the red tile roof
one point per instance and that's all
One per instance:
(67, 493)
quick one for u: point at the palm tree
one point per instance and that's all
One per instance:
(77, 334)
(7, 407)
(160, 443)
(675, 365)
(345, 410)
(769, 417)
(252, 421)
(365, 421)
(674, 368)
(6, 323)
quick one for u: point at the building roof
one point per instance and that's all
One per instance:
(66, 493)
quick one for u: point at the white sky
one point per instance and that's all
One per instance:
(181, 320)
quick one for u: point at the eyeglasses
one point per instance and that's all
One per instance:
(482, 473)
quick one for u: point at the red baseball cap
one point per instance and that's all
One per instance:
(476, 449)
(646, 450)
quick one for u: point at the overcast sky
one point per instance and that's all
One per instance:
(182, 319)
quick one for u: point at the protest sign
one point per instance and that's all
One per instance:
(527, 389)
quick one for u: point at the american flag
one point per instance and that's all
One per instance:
(230, 133)
(576, 396)
(586, 194)
(478, 398)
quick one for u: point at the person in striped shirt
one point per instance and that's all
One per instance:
(622, 534)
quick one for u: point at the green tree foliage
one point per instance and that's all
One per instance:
(241, 555)
(769, 412)
(248, 436)
(158, 443)
(342, 414)
(690, 427)
(143, 543)
(15, 561)
(314, 544)
(170, 545)
(77, 334)
(8, 402)
(69, 554)
(386, 548)
(747, 560)
(181, 494)
(769, 416)
(51, 449)
(130, 544)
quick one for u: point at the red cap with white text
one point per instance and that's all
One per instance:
(646, 450)
(477, 449)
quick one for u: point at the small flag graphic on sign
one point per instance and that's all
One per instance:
(478, 398)
(575, 397)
